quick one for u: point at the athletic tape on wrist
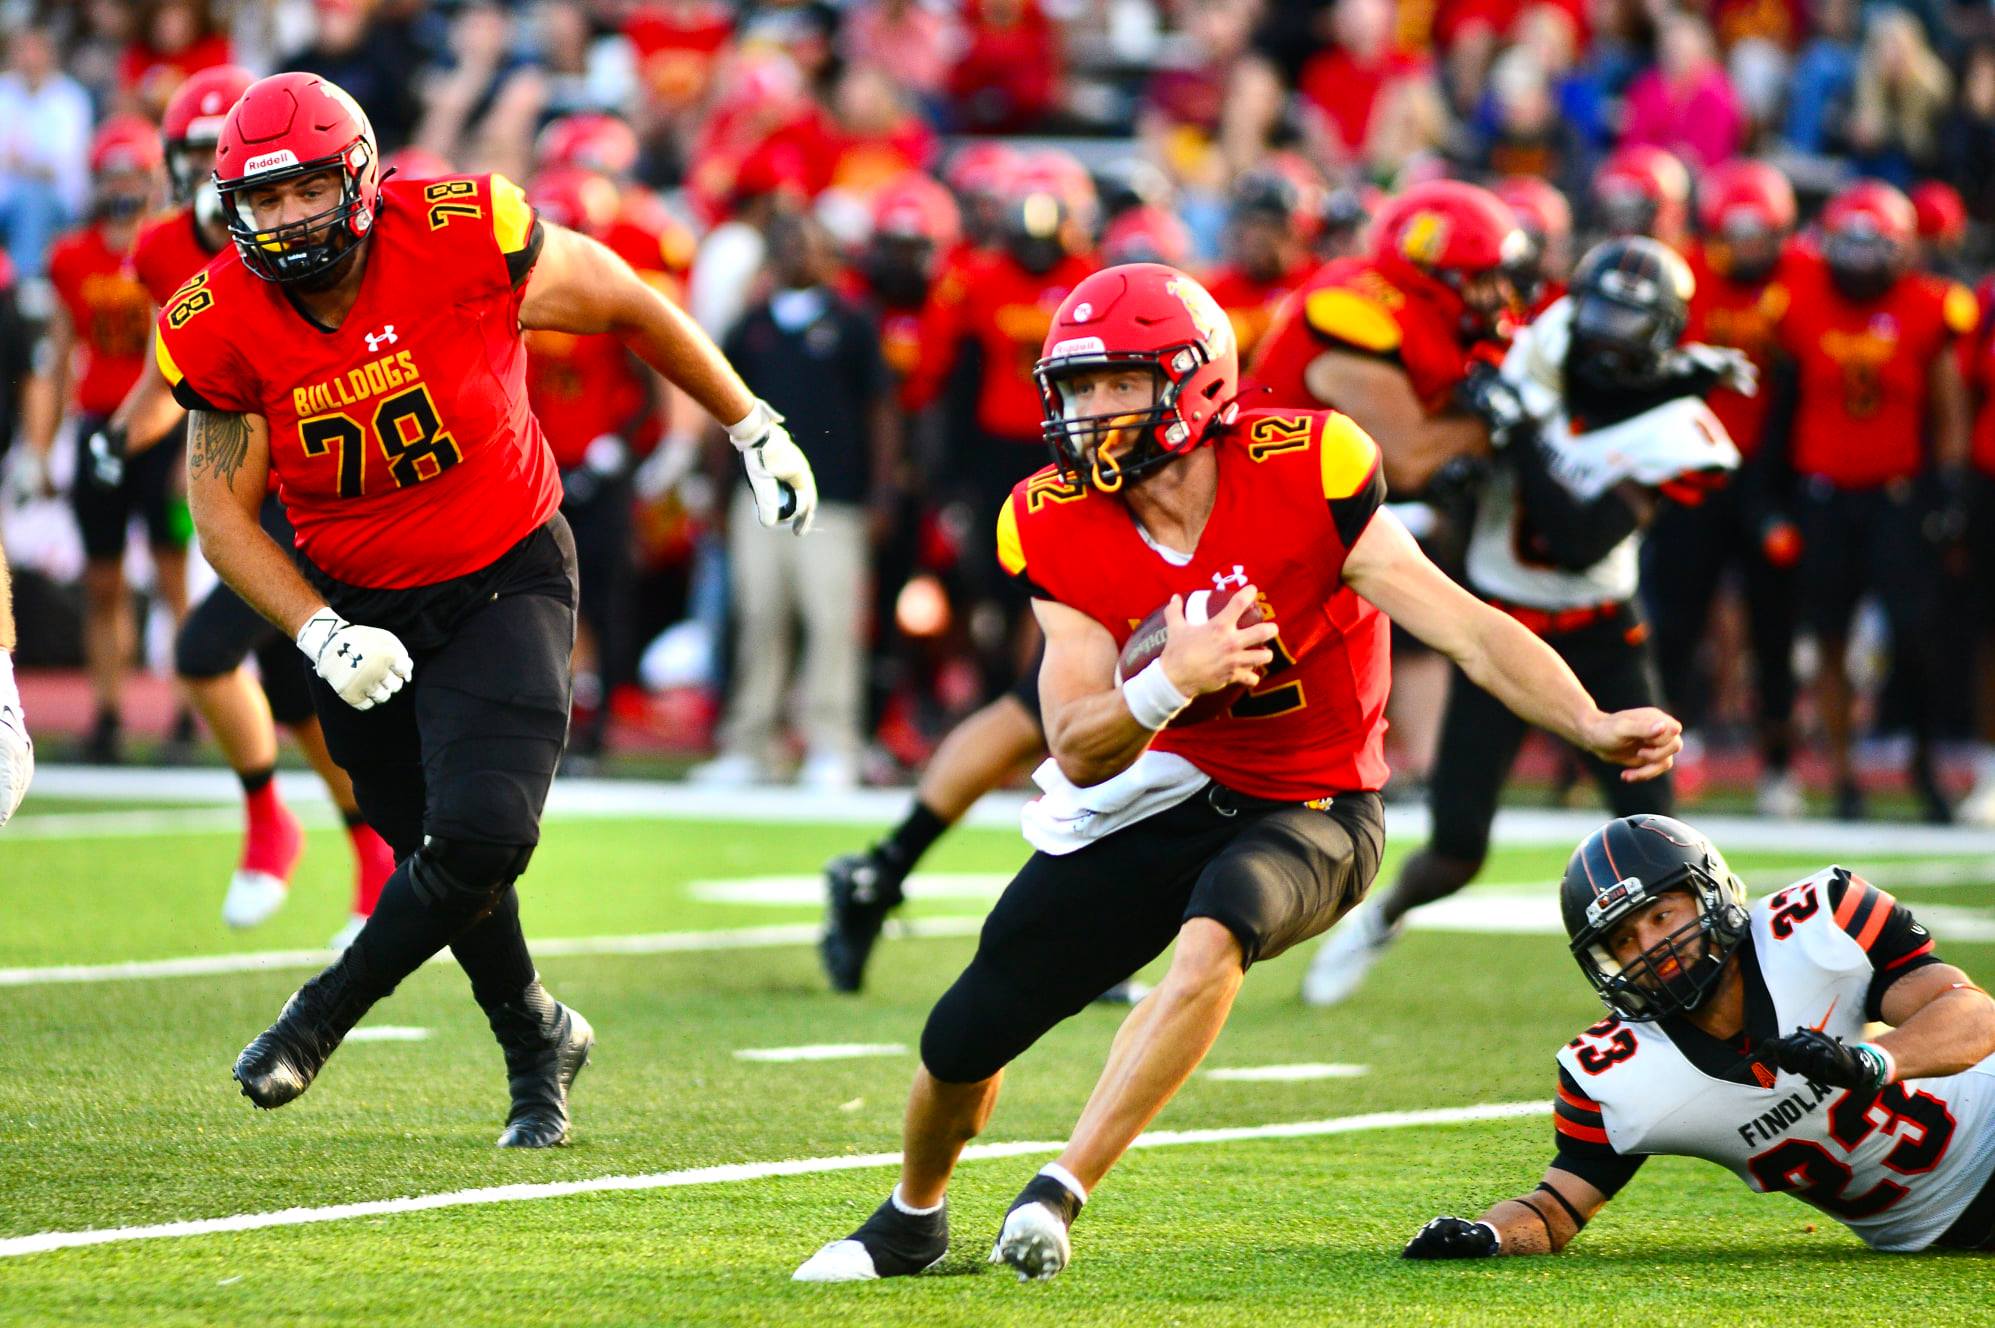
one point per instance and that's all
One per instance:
(1151, 698)
(1497, 1236)
(753, 427)
(9, 694)
(318, 630)
(1885, 1061)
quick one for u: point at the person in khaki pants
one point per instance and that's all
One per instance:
(814, 356)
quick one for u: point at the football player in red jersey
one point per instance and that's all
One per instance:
(1977, 363)
(1269, 230)
(1237, 837)
(95, 351)
(221, 631)
(1545, 217)
(1643, 190)
(1878, 441)
(1745, 217)
(362, 344)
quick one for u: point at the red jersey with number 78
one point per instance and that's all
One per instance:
(403, 447)
(1296, 489)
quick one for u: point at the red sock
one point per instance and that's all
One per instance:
(374, 863)
(274, 840)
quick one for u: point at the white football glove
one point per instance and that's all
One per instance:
(1733, 368)
(365, 665)
(778, 471)
(17, 749)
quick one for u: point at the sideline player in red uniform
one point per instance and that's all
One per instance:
(1643, 190)
(1746, 214)
(1545, 217)
(1268, 233)
(363, 344)
(17, 750)
(221, 631)
(96, 348)
(1880, 438)
(1237, 837)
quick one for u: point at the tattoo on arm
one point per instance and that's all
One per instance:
(218, 443)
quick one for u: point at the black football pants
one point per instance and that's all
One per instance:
(458, 763)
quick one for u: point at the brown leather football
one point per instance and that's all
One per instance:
(1146, 643)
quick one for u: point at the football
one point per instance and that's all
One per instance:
(1147, 643)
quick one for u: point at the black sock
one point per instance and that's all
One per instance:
(912, 837)
(1044, 1189)
(255, 781)
(403, 932)
(492, 952)
(902, 1243)
(352, 820)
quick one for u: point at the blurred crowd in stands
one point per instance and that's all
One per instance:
(875, 206)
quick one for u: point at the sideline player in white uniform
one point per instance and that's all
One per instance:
(1599, 418)
(1894, 1138)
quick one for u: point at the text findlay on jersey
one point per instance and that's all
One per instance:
(1770, 1125)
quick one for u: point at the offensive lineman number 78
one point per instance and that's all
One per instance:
(412, 440)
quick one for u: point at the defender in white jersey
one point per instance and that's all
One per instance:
(1894, 1138)
(1600, 415)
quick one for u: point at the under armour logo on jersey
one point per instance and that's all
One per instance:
(1236, 578)
(386, 337)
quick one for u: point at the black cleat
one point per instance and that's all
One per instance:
(892, 1243)
(860, 890)
(546, 1046)
(106, 743)
(1935, 808)
(284, 1059)
(1850, 802)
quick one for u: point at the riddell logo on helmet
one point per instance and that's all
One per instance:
(270, 161)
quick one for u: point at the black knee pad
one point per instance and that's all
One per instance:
(200, 652)
(465, 875)
(981, 1024)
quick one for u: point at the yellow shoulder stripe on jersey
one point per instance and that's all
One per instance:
(1348, 455)
(1011, 551)
(1961, 310)
(165, 358)
(1349, 316)
(512, 216)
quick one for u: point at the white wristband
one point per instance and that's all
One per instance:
(1151, 698)
(753, 427)
(9, 694)
(319, 629)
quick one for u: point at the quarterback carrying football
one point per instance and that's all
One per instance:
(1237, 836)
(1894, 1138)
(362, 344)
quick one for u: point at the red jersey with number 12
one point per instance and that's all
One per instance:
(403, 446)
(1296, 488)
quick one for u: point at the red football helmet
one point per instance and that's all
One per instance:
(1147, 234)
(590, 140)
(572, 197)
(1139, 315)
(1643, 191)
(1869, 232)
(1545, 217)
(193, 123)
(1746, 210)
(416, 163)
(125, 144)
(1941, 212)
(1052, 171)
(916, 206)
(1458, 243)
(286, 127)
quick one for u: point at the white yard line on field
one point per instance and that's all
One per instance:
(664, 800)
(46, 1241)
(821, 1051)
(669, 942)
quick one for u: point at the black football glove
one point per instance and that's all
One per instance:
(1813, 1054)
(1453, 1238)
(1488, 396)
(105, 450)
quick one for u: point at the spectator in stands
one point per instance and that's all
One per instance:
(373, 54)
(814, 356)
(1967, 136)
(1520, 130)
(44, 146)
(913, 44)
(173, 38)
(1008, 78)
(480, 104)
(1374, 105)
(1818, 96)
(1902, 90)
(1686, 104)
(581, 70)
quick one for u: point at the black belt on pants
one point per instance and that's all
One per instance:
(1974, 1229)
(1231, 802)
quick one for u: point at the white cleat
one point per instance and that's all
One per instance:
(253, 896)
(344, 936)
(1034, 1242)
(1780, 797)
(841, 1261)
(1344, 959)
(17, 761)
